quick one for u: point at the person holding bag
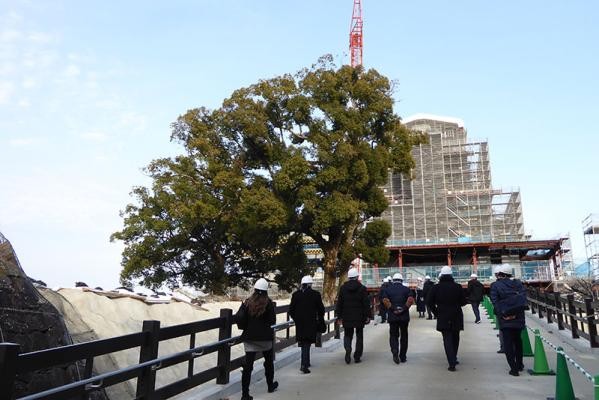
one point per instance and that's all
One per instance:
(509, 300)
(307, 311)
(397, 299)
(255, 317)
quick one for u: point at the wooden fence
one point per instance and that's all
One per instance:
(13, 363)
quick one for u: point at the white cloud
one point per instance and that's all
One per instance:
(72, 70)
(94, 136)
(10, 36)
(22, 142)
(40, 37)
(28, 83)
(24, 103)
(6, 91)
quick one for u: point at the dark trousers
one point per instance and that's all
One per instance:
(398, 338)
(512, 344)
(248, 366)
(429, 312)
(349, 336)
(475, 305)
(305, 359)
(451, 343)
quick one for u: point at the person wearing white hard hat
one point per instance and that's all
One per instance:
(447, 299)
(420, 303)
(382, 309)
(397, 299)
(255, 317)
(307, 311)
(509, 300)
(476, 291)
(496, 270)
(353, 312)
(426, 288)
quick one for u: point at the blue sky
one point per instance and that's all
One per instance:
(88, 92)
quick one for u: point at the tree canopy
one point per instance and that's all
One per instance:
(288, 158)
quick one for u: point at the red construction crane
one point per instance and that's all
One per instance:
(355, 34)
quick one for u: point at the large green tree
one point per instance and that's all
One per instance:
(292, 156)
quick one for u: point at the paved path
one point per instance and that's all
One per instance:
(482, 373)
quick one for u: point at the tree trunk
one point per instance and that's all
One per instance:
(329, 286)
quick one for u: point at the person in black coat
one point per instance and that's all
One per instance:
(476, 291)
(426, 288)
(307, 311)
(398, 299)
(446, 300)
(382, 309)
(353, 312)
(510, 315)
(420, 302)
(255, 317)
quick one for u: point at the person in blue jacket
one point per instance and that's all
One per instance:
(397, 298)
(509, 299)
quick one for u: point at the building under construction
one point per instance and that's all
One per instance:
(448, 213)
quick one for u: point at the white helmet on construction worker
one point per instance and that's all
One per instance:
(473, 276)
(428, 278)
(446, 270)
(307, 280)
(506, 269)
(352, 273)
(261, 284)
(397, 277)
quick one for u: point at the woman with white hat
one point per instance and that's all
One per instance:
(307, 311)
(255, 317)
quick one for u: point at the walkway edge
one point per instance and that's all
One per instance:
(283, 359)
(581, 344)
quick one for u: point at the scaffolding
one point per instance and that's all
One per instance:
(449, 196)
(590, 230)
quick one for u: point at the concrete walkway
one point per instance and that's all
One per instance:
(482, 373)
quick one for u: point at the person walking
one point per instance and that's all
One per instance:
(255, 317)
(509, 298)
(382, 308)
(397, 299)
(426, 288)
(353, 312)
(307, 311)
(419, 292)
(446, 300)
(496, 271)
(475, 295)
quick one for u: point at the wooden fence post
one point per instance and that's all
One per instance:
(9, 354)
(274, 335)
(560, 312)
(148, 351)
(224, 353)
(538, 293)
(572, 312)
(548, 302)
(590, 312)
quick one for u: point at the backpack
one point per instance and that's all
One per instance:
(514, 302)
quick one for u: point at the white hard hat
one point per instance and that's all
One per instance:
(389, 279)
(496, 269)
(473, 276)
(419, 279)
(506, 269)
(397, 277)
(352, 273)
(446, 270)
(427, 277)
(307, 280)
(386, 279)
(261, 284)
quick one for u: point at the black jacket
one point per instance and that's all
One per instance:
(306, 309)
(475, 291)
(352, 305)
(398, 295)
(426, 288)
(256, 328)
(500, 290)
(446, 299)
